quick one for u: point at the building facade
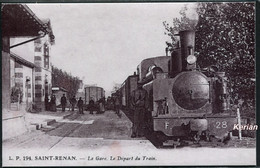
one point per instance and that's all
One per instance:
(43, 71)
(22, 81)
(20, 28)
(36, 79)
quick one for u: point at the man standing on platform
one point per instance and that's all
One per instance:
(63, 102)
(73, 103)
(117, 104)
(139, 102)
(53, 103)
(91, 106)
(46, 101)
(80, 106)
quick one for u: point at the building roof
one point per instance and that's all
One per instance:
(22, 60)
(56, 88)
(19, 20)
(93, 87)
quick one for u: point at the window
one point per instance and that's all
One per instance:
(46, 62)
(46, 56)
(46, 49)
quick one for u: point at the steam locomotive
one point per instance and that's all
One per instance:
(185, 102)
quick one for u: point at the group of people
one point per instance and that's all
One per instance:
(50, 105)
(73, 102)
(139, 100)
(91, 106)
(114, 103)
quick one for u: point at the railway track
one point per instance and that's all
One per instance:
(70, 131)
(37, 135)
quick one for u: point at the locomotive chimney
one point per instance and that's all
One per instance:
(187, 39)
(182, 57)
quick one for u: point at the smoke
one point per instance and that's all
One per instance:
(190, 17)
(192, 14)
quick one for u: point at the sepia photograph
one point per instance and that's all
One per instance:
(129, 84)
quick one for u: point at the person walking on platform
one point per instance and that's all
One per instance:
(140, 102)
(46, 101)
(53, 103)
(110, 103)
(91, 106)
(73, 103)
(63, 102)
(80, 106)
(101, 105)
(117, 105)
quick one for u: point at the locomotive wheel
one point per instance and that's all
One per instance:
(205, 136)
(213, 138)
(227, 138)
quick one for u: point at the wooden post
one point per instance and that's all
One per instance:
(239, 124)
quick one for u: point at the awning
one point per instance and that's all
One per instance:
(19, 20)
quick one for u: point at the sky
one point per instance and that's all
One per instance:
(103, 43)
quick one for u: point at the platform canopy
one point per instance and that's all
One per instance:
(19, 20)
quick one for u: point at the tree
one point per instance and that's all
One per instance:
(67, 81)
(225, 36)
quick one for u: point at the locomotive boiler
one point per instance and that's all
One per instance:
(185, 101)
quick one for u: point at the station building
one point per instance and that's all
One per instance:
(26, 69)
(31, 70)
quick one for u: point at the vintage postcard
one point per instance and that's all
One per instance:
(128, 84)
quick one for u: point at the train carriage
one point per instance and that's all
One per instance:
(129, 85)
(93, 93)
